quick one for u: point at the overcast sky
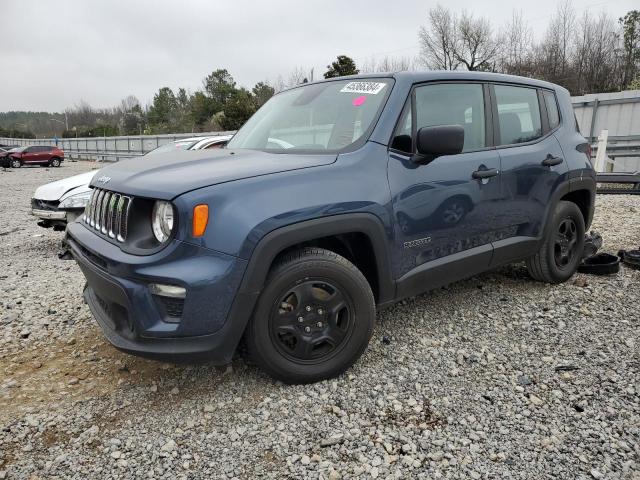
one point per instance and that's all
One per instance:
(55, 53)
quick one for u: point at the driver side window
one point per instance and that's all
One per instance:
(444, 104)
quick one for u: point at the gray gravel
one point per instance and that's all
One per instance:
(494, 377)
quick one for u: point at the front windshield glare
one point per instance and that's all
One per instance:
(323, 117)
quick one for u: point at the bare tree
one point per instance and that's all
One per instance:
(598, 61)
(478, 47)
(438, 40)
(296, 77)
(555, 52)
(517, 45)
(387, 64)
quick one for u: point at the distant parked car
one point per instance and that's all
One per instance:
(193, 143)
(57, 203)
(36, 155)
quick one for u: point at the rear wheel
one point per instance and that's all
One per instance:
(314, 318)
(54, 162)
(559, 256)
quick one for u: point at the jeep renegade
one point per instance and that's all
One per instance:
(335, 198)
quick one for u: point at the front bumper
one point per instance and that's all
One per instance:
(50, 214)
(206, 326)
(58, 219)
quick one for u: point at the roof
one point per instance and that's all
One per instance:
(436, 75)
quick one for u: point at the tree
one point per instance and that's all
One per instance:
(555, 51)
(162, 109)
(517, 42)
(239, 107)
(261, 93)
(219, 86)
(387, 64)
(298, 77)
(631, 46)
(201, 109)
(341, 67)
(438, 41)
(476, 48)
(131, 119)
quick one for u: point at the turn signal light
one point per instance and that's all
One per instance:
(200, 219)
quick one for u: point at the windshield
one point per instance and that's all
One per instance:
(323, 117)
(18, 149)
(172, 147)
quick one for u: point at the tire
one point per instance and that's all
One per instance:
(15, 163)
(54, 162)
(560, 254)
(313, 319)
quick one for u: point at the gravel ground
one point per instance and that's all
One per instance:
(494, 377)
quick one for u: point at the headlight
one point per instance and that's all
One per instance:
(162, 220)
(78, 200)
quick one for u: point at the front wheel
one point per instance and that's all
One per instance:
(15, 163)
(314, 318)
(559, 256)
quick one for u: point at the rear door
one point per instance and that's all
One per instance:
(44, 153)
(532, 164)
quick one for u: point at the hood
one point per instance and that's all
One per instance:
(55, 190)
(166, 175)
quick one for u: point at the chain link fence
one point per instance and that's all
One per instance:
(108, 148)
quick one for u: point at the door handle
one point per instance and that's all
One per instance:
(488, 173)
(550, 161)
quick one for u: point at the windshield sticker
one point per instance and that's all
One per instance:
(363, 87)
(359, 100)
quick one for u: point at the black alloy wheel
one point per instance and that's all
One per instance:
(311, 321)
(566, 239)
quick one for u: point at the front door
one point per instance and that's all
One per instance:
(30, 155)
(444, 210)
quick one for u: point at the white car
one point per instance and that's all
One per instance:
(57, 203)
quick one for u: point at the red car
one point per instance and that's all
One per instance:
(35, 155)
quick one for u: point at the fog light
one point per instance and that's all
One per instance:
(167, 290)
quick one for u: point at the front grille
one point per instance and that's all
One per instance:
(108, 213)
(38, 204)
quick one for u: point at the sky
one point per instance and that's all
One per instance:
(53, 54)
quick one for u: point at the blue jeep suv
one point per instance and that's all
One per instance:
(335, 198)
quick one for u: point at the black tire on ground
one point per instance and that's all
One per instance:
(313, 319)
(54, 162)
(561, 252)
(15, 163)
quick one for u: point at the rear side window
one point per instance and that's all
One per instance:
(552, 109)
(518, 114)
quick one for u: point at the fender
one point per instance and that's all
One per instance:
(588, 183)
(517, 248)
(568, 186)
(277, 240)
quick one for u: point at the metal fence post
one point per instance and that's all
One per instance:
(593, 119)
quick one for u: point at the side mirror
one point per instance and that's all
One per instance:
(440, 140)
